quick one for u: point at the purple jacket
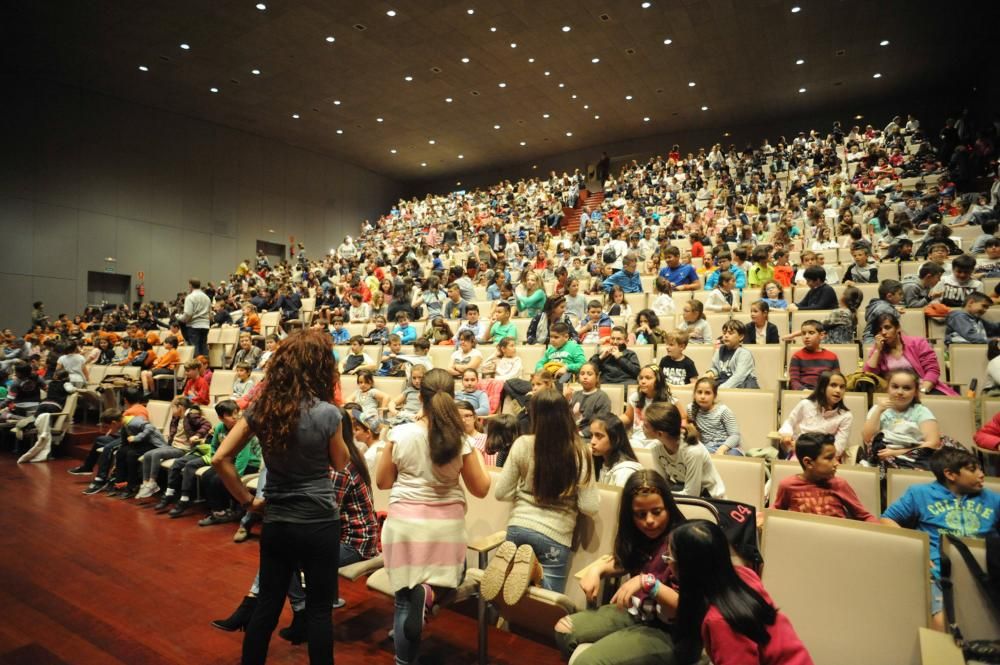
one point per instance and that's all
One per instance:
(920, 354)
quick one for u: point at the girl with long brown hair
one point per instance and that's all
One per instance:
(299, 431)
(424, 539)
(549, 476)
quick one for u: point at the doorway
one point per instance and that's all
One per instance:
(274, 252)
(108, 287)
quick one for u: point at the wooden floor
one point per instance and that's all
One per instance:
(88, 579)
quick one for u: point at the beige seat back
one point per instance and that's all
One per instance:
(863, 480)
(974, 613)
(159, 414)
(755, 411)
(743, 478)
(222, 385)
(856, 403)
(968, 362)
(877, 576)
(955, 417)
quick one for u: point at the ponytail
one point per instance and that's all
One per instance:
(445, 430)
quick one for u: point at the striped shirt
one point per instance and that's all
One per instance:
(806, 366)
(716, 427)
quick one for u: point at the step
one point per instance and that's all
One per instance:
(78, 441)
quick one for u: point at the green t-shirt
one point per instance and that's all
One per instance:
(498, 331)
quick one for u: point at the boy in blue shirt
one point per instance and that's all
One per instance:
(956, 503)
(681, 276)
(339, 333)
(724, 263)
(407, 333)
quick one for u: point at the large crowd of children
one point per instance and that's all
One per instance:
(716, 243)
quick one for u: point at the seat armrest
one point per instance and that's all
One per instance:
(488, 543)
(364, 567)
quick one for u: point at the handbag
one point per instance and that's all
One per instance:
(988, 581)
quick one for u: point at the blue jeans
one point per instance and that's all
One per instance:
(250, 518)
(406, 650)
(553, 557)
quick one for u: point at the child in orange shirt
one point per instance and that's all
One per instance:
(165, 364)
(783, 272)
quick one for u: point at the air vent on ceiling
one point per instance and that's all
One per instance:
(475, 93)
(630, 51)
(840, 52)
(360, 27)
(436, 70)
(164, 58)
(604, 17)
(234, 81)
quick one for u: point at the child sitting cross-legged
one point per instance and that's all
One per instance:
(817, 489)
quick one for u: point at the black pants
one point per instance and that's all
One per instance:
(284, 548)
(182, 474)
(215, 491)
(198, 338)
(127, 464)
(109, 442)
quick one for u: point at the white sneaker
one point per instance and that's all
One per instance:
(147, 490)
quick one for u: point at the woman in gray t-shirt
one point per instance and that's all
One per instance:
(299, 432)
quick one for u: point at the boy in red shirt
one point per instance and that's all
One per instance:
(817, 489)
(196, 387)
(811, 360)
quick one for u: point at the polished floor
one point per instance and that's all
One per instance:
(88, 579)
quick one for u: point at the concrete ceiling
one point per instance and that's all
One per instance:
(740, 54)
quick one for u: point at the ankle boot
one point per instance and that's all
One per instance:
(240, 618)
(298, 631)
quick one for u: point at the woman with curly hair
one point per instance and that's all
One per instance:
(299, 431)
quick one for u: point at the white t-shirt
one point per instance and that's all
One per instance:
(690, 471)
(417, 478)
(460, 357)
(73, 363)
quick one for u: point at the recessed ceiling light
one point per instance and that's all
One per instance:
(569, 133)
(336, 102)
(461, 156)
(646, 5)
(458, 183)
(548, 73)
(449, 100)
(493, 28)
(725, 134)
(392, 150)
(496, 126)
(513, 44)
(295, 116)
(545, 115)
(668, 41)
(391, 13)
(143, 68)
(465, 60)
(524, 143)
(802, 89)
(704, 108)
(423, 163)
(884, 42)
(646, 119)
(186, 47)
(261, 6)
(691, 84)
(531, 60)
(501, 84)
(562, 85)
(407, 78)
(800, 61)
(331, 38)
(379, 120)
(573, 96)
(586, 106)
(876, 75)
(470, 12)
(595, 60)
(566, 28)
(340, 131)
(255, 72)
(628, 98)
(796, 9)
(534, 166)
(213, 89)
(858, 117)
(597, 117)
(431, 141)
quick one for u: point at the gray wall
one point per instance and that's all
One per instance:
(84, 176)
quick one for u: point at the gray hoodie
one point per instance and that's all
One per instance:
(914, 292)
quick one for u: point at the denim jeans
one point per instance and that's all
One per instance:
(250, 518)
(406, 650)
(284, 546)
(553, 557)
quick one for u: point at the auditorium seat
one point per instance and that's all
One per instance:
(863, 480)
(974, 612)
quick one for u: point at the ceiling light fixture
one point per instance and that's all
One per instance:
(392, 150)
(448, 100)
(586, 107)
(331, 39)
(143, 68)
(876, 75)
(423, 163)
(501, 84)
(595, 60)
(569, 133)
(470, 12)
(668, 41)
(431, 141)
(336, 102)
(691, 84)
(628, 98)
(186, 47)
(379, 120)
(513, 44)
(496, 126)
(562, 85)
(566, 28)
(465, 60)
(461, 156)
(295, 116)
(548, 73)
(646, 119)
(796, 9)
(391, 13)
(493, 28)
(800, 61)
(407, 78)
(802, 90)
(545, 115)
(255, 72)
(597, 117)
(340, 131)
(524, 143)
(646, 5)
(884, 42)
(531, 61)
(261, 6)
(573, 96)
(213, 90)
(704, 108)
